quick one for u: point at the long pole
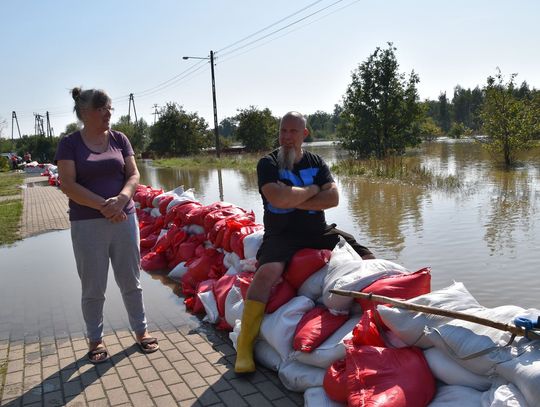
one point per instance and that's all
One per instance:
(442, 312)
(216, 129)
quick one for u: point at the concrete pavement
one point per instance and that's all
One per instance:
(43, 349)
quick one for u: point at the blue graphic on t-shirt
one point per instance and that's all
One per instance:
(306, 177)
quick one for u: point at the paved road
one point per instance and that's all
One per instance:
(43, 349)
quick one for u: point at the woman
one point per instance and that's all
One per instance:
(98, 173)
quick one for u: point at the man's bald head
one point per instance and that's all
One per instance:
(294, 116)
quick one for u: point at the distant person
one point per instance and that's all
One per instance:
(296, 187)
(98, 173)
(27, 157)
(14, 162)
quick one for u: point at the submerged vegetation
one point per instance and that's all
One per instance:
(401, 169)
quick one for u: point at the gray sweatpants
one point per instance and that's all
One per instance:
(95, 241)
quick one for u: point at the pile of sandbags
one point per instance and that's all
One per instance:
(337, 350)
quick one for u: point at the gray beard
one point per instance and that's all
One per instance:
(286, 158)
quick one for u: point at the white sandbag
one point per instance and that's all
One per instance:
(233, 335)
(524, 372)
(155, 213)
(178, 271)
(503, 394)
(409, 325)
(177, 191)
(355, 276)
(209, 302)
(252, 243)
(317, 397)
(449, 371)
(248, 265)
(180, 199)
(330, 350)
(231, 260)
(266, 355)
(312, 287)
(231, 271)
(234, 305)
(299, 377)
(462, 339)
(456, 396)
(194, 229)
(278, 327)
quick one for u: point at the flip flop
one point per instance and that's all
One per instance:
(144, 345)
(98, 351)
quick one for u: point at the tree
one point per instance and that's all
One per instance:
(137, 132)
(510, 123)
(381, 114)
(257, 129)
(227, 127)
(444, 113)
(3, 125)
(179, 133)
(70, 128)
(321, 124)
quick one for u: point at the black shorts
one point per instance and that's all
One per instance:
(281, 248)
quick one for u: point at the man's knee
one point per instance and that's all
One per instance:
(266, 276)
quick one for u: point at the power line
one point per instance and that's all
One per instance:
(269, 26)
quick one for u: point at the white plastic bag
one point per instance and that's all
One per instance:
(234, 305)
(178, 271)
(503, 394)
(449, 371)
(209, 302)
(456, 396)
(299, 377)
(252, 243)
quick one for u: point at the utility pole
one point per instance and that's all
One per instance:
(156, 113)
(49, 129)
(14, 117)
(132, 100)
(216, 128)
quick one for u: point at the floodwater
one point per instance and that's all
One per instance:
(485, 235)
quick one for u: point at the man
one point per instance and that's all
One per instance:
(296, 187)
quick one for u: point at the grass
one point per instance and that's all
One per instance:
(10, 209)
(10, 217)
(401, 169)
(10, 182)
(3, 371)
(244, 162)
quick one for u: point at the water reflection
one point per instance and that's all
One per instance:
(512, 210)
(385, 210)
(483, 234)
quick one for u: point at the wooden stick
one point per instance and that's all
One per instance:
(442, 312)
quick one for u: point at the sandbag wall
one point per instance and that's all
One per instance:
(324, 345)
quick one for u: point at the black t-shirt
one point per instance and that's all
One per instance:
(310, 170)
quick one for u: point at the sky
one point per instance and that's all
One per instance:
(278, 54)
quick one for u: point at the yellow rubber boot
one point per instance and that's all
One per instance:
(251, 322)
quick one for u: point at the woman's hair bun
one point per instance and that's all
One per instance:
(76, 93)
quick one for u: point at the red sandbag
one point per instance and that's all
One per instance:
(149, 241)
(401, 286)
(304, 263)
(163, 203)
(366, 331)
(154, 261)
(202, 266)
(396, 377)
(280, 294)
(237, 238)
(223, 213)
(335, 382)
(315, 327)
(197, 215)
(221, 289)
(183, 212)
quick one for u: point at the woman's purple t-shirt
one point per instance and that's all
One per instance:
(101, 173)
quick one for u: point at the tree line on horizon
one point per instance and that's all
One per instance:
(380, 115)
